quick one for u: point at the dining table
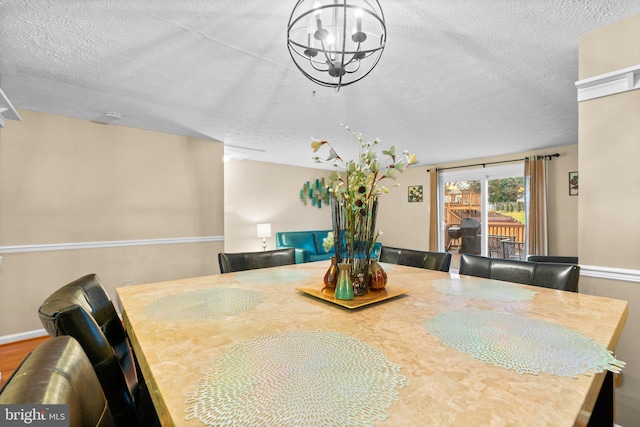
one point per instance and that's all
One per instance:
(274, 347)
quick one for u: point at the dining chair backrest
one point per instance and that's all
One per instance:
(241, 261)
(549, 275)
(440, 261)
(58, 372)
(84, 310)
(553, 258)
(511, 270)
(89, 293)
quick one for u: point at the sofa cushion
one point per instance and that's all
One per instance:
(320, 257)
(318, 237)
(301, 240)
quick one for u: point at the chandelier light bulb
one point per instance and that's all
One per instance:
(358, 14)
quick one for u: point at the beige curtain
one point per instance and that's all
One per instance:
(535, 176)
(433, 220)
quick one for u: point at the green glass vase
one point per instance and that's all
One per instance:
(344, 285)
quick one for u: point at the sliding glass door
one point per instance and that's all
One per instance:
(463, 210)
(482, 211)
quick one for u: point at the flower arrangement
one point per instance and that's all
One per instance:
(357, 181)
(355, 186)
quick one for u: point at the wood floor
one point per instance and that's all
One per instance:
(12, 354)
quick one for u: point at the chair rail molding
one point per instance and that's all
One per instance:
(611, 83)
(623, 274)
(106, 244)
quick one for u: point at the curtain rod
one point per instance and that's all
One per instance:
(526, 159)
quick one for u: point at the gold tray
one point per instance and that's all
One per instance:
(371, 297)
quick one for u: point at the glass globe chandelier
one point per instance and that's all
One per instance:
(336, 42)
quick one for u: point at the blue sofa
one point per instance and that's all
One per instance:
(308, 245)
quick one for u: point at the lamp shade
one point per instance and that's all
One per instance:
(264, 230)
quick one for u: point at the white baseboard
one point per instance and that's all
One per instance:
(22, 336)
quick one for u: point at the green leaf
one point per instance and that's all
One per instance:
(390, 174)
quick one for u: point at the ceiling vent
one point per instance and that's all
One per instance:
(107, 118)
(6, 110)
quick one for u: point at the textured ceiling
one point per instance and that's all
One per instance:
(457, 80)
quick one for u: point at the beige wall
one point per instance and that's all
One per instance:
(609, 233)
(64, 180)
(562, 208)
(404, 224)
(610, 48)
(610, 180)
(258, 192)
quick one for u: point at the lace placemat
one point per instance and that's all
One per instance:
(484, 289)
(317, 378)
(271, 277)
(517, 342)
(206, 304)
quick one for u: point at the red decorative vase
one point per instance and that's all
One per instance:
(331, 276)
(377, 276)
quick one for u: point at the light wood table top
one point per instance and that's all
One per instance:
(446, 387)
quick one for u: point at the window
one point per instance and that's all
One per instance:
(482, 211)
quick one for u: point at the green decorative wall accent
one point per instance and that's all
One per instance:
(316, 192)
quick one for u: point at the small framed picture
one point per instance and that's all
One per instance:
(573, 183)
(415, 193)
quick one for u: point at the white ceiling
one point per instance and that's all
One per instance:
(457, 80)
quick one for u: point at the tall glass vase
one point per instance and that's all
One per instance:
(354, 224)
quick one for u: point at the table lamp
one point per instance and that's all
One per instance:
(264, 231)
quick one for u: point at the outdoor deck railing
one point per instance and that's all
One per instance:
(516, 230)
(505, 240)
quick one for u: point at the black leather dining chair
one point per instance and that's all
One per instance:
(553, 258)
(241, 261)
(548, 275)
(58, 372)
(440, 261)
(83, 310)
